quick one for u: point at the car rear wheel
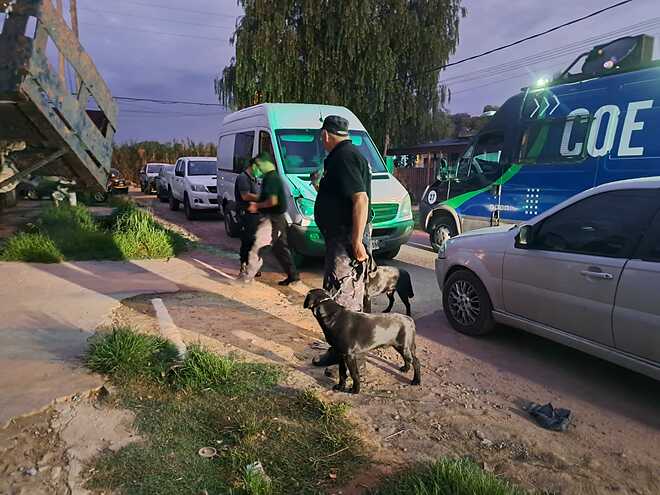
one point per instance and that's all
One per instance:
(174, 203)
(467, 305)
(441, 228)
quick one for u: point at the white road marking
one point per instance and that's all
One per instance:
(168, 328)
(214, 269)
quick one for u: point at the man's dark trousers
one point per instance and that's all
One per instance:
(249, 222)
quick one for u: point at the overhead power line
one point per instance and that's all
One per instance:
(149, 31)
(169, 102)
(523, 40)
(171, 21)
(162, 7)
(571, 49)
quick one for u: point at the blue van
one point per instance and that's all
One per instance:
(550, 142)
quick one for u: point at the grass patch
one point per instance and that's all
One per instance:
(31, 247)
(447, 477)
(125, 354)
(72, 233)
(220, 402)
(204, 370)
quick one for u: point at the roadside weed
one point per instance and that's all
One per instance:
(31, 247)
(72, 233)
(124, 354)
(447, 477)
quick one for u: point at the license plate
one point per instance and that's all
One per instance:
(375, 244)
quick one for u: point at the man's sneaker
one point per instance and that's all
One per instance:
(243, 270)
(289, 281)
(243, 279)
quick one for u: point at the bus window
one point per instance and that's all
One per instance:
(481, 162)
(555, 141)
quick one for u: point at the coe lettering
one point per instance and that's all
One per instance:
(608, 116)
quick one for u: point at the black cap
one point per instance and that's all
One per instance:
(335, 124)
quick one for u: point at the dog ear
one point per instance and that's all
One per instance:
(307, 301)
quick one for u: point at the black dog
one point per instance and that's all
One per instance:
(388, 280)
(351, 333)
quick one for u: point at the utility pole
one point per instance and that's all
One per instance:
(61, 65)
(73, 10)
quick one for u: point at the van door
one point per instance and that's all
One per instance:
(636, 315)
(567, 277)
(225, 169)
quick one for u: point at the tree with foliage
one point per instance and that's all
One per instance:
(129, 158)
(372, 56)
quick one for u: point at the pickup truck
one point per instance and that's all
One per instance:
(194, 184)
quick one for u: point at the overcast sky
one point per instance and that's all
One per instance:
(173, 50)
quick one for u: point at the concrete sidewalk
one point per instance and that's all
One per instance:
(47, 313)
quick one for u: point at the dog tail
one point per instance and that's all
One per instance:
(404, 285)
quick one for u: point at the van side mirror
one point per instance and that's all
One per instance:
(442, 170)
(525, 237)
(389, 164)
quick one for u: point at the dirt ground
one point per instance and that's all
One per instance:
(451, 414)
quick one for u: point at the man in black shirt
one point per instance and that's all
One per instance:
(342, 214)
(272, 227)
(246, 190)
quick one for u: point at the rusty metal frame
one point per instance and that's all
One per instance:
(36, 107)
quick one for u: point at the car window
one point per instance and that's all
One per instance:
(226, 152)
(610, 224)
(201, 167)
(650, 250)
(243, 150)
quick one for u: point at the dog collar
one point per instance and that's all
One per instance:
(321, 302)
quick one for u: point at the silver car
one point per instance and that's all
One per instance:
(585, 273)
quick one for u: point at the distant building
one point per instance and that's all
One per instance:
(429, 154)
(415, 166)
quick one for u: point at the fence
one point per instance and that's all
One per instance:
(415, 180)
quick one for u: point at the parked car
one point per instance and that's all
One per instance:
(147, 176)
(163, 182)
(585, 273)
(194, 183)
(117, 183)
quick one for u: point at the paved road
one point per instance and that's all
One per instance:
(526, 367)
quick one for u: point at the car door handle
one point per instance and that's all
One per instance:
(599, 275)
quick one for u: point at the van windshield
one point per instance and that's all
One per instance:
(302, 151)
(153, 168)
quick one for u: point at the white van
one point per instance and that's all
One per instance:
(291, 134)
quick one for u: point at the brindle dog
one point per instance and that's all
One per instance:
(388, 280)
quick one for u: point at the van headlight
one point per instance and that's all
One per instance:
(405, 210)
(306, 207)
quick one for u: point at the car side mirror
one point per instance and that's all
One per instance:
(525, 237)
